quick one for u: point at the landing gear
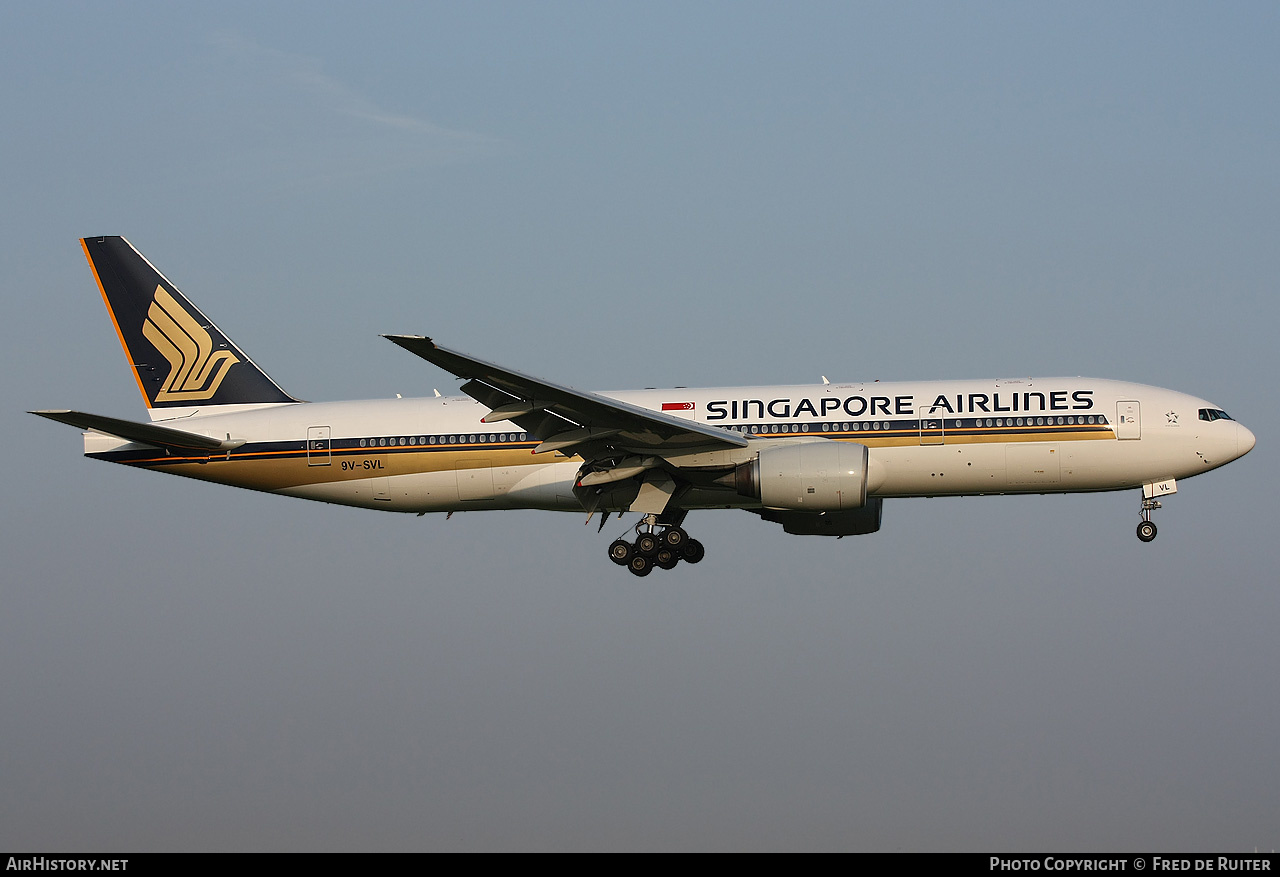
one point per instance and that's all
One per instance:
(647, 544)
(660, 543)
(1147, 530)
(620, 552)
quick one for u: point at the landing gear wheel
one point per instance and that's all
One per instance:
(692, 551)
(1146, 531)
(640, 565)
(666, 558)
(620, 552)
(647, 544)
(675, 538)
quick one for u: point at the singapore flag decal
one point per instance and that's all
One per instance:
(678, 406)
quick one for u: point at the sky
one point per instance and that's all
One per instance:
(616, 195)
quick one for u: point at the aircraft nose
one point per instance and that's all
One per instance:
(1244, 440)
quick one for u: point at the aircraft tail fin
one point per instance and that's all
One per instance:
(178, 356)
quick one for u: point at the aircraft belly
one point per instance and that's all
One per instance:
(937, 470)
(1038, 463)
(406, 480)
(548, 486)
(531, 487)
(1118, 465)
(545, 486)
(422, 491)
(1030, 467)
(1021, 467)
(475, 481)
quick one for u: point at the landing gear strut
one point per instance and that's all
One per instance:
(660, 542)
(1147, 530)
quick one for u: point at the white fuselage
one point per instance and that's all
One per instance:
(924, 439)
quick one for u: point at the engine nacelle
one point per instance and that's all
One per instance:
(814, 476)
(858, 522)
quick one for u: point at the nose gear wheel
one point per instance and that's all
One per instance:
(1147, 530)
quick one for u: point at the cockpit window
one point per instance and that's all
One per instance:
(1211, 414)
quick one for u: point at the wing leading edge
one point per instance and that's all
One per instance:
(563, 417)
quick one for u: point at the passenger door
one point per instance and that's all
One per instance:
(1128, 420)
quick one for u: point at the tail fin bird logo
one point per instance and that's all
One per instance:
(195, 370)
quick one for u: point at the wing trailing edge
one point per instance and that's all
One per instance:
(581, 416)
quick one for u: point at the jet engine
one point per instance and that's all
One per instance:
(811, 476)
(857, 522)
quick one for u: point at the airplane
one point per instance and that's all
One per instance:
(816, 459)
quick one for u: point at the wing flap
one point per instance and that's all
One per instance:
(521, 397)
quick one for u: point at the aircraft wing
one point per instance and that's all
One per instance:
(563, 417)
(145, 433)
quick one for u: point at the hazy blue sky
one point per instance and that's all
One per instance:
(618, 195)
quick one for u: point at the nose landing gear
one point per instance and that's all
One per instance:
(658, 543)
(1147, 530)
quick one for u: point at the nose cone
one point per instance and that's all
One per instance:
(1244, 440)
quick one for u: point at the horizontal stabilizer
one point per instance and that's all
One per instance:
(146, 433)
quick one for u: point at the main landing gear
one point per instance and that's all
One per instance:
(1147, 530)
(657, 544)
